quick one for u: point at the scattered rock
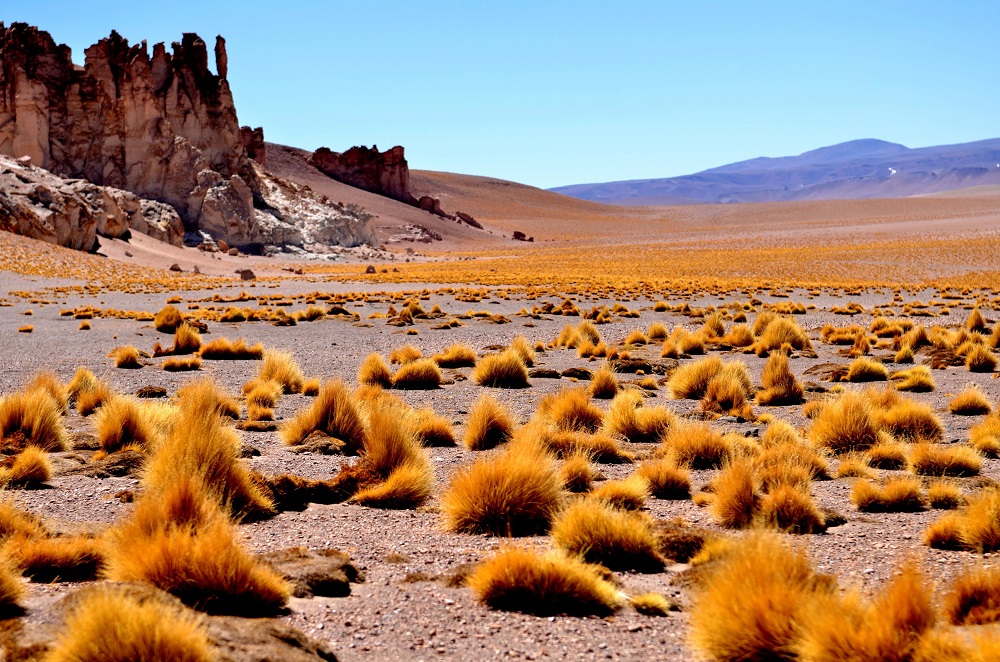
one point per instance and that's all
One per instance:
(544, 373)
(246, 274)
(151, 392)
(326, 572)
(577, 373)
(175, 267)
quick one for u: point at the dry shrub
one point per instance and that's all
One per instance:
(213, 397)
(985, 437)
(754, 603)
(780, 332)
(15, 522)
(200, 447)
(31, 418)
(789, 508)
(334, 413)
(87, 402)
(63, 559)
(522, 580)
(432, 429)
(83, 380)
(262, 393)
(973, 597)
(490, 424)
(30, 468)
(657, 331)
(739, 335)
(917, 379)
(980, 359)
(727, 392)
(897, 495)
(168, 319)
(944, 495)
(690, 381)
(792, 454)
(514, 493)
(598, 447)
(281, 368)
(890, 627)
(393, 455)
(576, 473)
(735, 500)
(695, 445)
(311, 387)
(182, 364)
(629, 419)
(374, 371)
(976, 526)
(405, 354)
(866, 370)
(911, 421)
(48, 382)
(887, 454)
(627, 494)
(599, 533)
(181, 542)
(854, 465)
(845, 424)
(570, 409)
(651, 604)
(604, 384)
(938, 460)
(124, 421)
(666, 481)
(523, 349)
(224, 349)
(503, 370)
(420, 374)
(780, 385)
(126, 357)
(970, 402)
(456, 356)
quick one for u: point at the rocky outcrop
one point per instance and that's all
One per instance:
(383, 173)
(73, 212)
(159, 125)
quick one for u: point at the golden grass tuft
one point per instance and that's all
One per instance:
(845, 424)
(627, 494)
(48, 382)
(791, 509)
(690, 381)
(393, 454)
(126, 357)
(570, 409)
(973, 598)
(30, 468)
(940, 460)
(522, 580)
(456, 356)
(917, 379)
(753, 604)
(887, 454)
(629, 419)
(944, 495)
(124, 421)
(420, 374)
(374, 371)
(83, 380)
(31, 418)
(503, 370)
(182, 364)
(168, 319)
(599, 533)
(576, 473)
(908, 420)
(598, 447)
(224, 349)
(897, 495)
(187, 340)
(604, 384)
(523, 349)
(970, 402)
(735, 500)
(780, 385)
(980, 359)
(854, 465)
(281, 368)
(87, 402)
(334, 413)
(985, 437)
(695, 445)
(651, 604)
(975, 526)
(866, 370)
(778, 333)
(666, 481)
(113, 626)
(516, 492)
(489, 425)
(432, 429)
(181, 542)
(62, 559)
(405, 354)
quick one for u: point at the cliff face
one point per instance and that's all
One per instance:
(160, 125)
(384, 173)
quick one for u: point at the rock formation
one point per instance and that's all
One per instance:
(162, 126)
(73, 212)
(384, 173)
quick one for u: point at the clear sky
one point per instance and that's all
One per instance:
(566, 92)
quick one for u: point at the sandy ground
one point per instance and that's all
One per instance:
(402, 612)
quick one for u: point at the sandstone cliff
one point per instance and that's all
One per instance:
(160, 125)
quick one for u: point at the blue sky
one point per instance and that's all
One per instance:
(553, 93)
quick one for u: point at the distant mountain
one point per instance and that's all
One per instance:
(856, 169)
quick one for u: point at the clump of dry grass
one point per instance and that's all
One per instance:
(598, 447)
(690, 381)
(728, 391)
(970, 402)
(168, 319)
(576, 473)
(490, 424)
(83, 380)
(420, 374)
(975, 526)
(887, 454)
(522, 580)
(917, 379)
(599, 533)
(845, 424)
(780, 385)
(180, 541)
(938, 460)
(695, 445)
(31, 418)
(973, 597)
(401, 472)
(456, 356)
(432, 429)
(854, 465)
(333, 413)
(30, 468)
(789, 508)
(48, 382)
(897, 495)
(570, 409)
(604, 384)
(201, 447)
(405, 354)
(126, 357)
(514, 493)
(944, 495)
(503, 370)
(25, 328)
(629, 419)
(651, 604)
(61, 559)
(523, 349)
(980, 359)
(224, 349)
(779, 332)
(88, 401)
(374, 371)
(985, 437)
(735, 495)
(866, 370)
(627, 494)
(753, 604)
(187, 363)
(124, 421)
(911, 421)
(113, 626)
(666, 481)
(281, 368)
